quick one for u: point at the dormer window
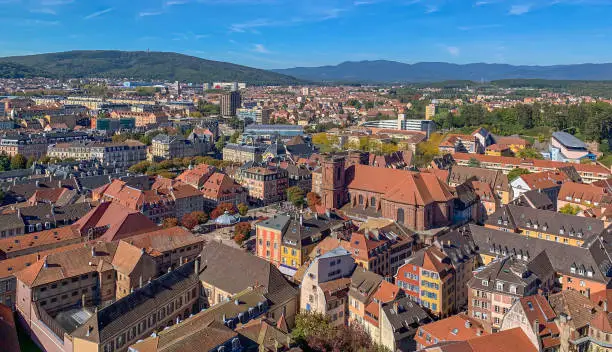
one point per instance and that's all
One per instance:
(573, 270)
(581, 271)
(590, 273)
(485, 283)
(499, 221)
(500, 286)
(561, 231)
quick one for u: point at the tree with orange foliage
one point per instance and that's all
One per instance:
(221, 209)
(313, 200)
(170, 222)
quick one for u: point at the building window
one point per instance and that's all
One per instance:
(400, 215)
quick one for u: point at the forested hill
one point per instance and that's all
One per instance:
(384, 71)
(135, 65)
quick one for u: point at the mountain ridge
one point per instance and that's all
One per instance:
(137, 65)
(386, 71)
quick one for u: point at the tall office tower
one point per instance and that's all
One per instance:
(229, 103)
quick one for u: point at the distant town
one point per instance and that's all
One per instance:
(156, 216)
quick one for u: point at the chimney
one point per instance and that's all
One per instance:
(83, 300)
(196, 265)
(536, 327)
(37, 184)
(588, 293)
(45, 263)
(605, 305)
(140, 281)
(181, 260)
(93, 251)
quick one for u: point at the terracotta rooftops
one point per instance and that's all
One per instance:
(458, 327)
(400, 185)
(159, 241)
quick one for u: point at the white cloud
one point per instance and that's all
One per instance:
(260, 48)
(98, 13)
(175, 2)
(519, 9)
(44, 10)
(149, 13)
(55, 2)
(453, 50)
(431, 9)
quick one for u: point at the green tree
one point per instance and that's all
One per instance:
(243, 209)
(18, 162)
(569, 209)
(5, 162)
(310, 324)
(295, 195)
(141, 167)
(515, 173)
(220, 144)
(234, 137)
(473, 162)
(529, 153)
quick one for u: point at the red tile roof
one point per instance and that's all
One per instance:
(119, 222)
(400, 185)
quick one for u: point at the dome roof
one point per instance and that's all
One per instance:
(226, 219)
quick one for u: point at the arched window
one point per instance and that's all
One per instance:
(400, 215)
(360, 199)
(373, 202)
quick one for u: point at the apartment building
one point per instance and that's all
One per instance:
(230, 102)
(166, 198)
(169, 247)
(220, 188)
(583, 196)
(242, 153)
(495, 179)
(428, 278)
(229, 271)
(496, 287)
(547, 182)
(196, 175)
(164, 147)
(143, 119)
(265, 185)
(459, 327)
(545, 224)
(535, 316)
(30, 146)
(161, 303)
(325, 286)
(588, 172)
(121, 154)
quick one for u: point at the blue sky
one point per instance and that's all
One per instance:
(287, 33)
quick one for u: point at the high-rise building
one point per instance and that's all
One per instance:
(430, 111)
(229, 103)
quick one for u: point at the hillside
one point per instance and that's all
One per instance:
(392, 71)
(14, 70)
(139, 65)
